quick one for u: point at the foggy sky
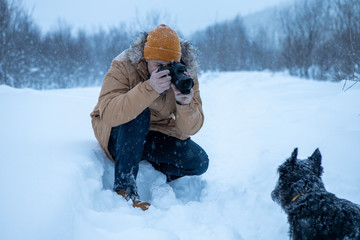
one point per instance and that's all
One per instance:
(186, 15)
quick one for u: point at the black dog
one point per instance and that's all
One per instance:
(313, 213)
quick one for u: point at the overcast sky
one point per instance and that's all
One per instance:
(187, 15)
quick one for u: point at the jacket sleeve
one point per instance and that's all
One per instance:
(119, 102)
(190, 118)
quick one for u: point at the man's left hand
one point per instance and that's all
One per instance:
(182, 98)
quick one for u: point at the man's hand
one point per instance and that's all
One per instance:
(181, 98)
(158, 82)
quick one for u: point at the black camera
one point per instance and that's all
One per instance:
(178, 78)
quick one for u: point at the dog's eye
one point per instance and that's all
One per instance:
(282, 170)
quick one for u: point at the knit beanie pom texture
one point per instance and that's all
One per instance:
(162, 44)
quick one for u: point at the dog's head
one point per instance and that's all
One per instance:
(296, 177)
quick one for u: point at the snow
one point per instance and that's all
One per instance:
(55, 182)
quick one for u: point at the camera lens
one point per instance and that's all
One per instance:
(186, 85)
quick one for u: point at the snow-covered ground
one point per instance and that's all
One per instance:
(55, 182)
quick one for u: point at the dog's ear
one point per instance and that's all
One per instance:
(294, 156)
(316, 162)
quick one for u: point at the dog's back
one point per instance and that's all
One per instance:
(321, 215)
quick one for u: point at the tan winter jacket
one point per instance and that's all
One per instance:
(126, 92)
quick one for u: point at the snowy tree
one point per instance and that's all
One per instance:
(224, 46)
(302, 26)
(347, 38)
(19, 39)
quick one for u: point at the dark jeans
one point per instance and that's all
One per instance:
(131, 142)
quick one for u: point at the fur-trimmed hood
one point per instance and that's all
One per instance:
(189, 54)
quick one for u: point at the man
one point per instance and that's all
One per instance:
(141, 115)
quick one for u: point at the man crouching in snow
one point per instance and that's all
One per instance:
(142, 115)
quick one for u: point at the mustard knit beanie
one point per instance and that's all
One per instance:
(162, 44)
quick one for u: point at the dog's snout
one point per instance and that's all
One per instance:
(274, 195)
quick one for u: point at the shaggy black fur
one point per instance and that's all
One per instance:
(313, 213)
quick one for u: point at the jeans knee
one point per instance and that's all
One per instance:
(205, 164)
(140, 125)
(136, 127)
(131, 133)
(202, 164)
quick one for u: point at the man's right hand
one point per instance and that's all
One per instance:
(159, 81)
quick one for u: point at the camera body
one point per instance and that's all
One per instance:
(178, 78)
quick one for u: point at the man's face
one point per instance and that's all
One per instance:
(152, 65)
